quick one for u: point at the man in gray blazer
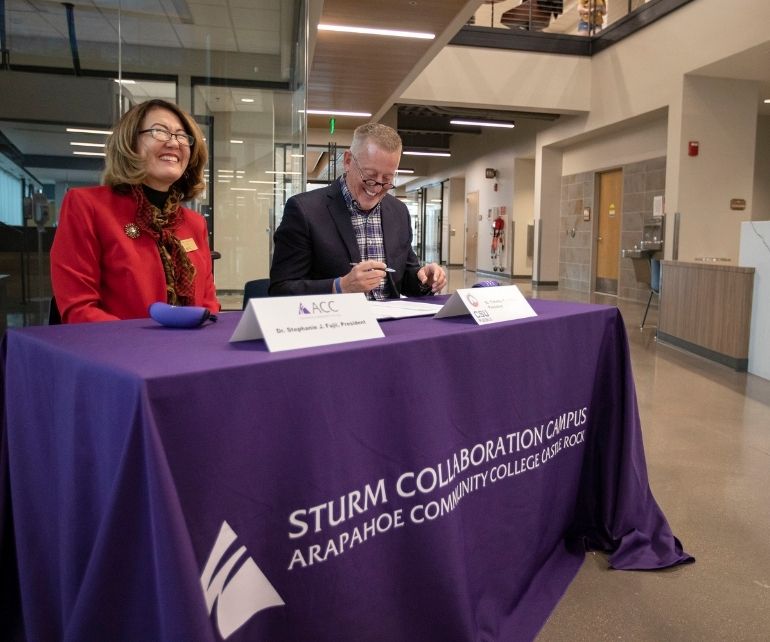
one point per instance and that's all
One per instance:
(353, 236)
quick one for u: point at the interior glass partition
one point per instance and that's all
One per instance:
(426, 212)
(413, 202)
(239, 67)
(433, 217)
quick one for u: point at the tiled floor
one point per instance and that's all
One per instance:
(707, 440)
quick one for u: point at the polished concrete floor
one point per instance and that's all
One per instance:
(707, 440)
(706, 432)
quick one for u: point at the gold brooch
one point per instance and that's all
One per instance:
(131, 230)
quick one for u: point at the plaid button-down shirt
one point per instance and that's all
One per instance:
(368, 229)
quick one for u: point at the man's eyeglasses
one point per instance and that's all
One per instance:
(165, 136)
(370, 182)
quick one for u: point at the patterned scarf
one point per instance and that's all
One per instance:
(161, 225)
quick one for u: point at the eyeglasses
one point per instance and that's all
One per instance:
(164, 135)
(370, 182)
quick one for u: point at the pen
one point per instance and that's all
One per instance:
(387, 269)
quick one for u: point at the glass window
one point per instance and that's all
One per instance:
(239, 67)
(10, 199)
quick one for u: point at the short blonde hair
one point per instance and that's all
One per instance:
(386, 138)
(124, 166)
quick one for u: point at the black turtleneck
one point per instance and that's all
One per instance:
(156, 197)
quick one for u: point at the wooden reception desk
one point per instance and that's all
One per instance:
(706, 308)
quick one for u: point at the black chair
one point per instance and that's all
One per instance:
(255, 290)
(54, 318)
(654, 286)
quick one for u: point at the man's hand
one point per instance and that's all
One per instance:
(432, 275)
(364, 277)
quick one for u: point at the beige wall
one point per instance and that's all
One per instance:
(761, 199)
(522, 215)
(618, 99)
(456, 187)
(720, 114)
(480, 77)
(636, 140)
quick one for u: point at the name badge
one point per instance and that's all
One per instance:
(188, 245)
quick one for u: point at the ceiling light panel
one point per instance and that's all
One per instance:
(377, 32)
(481, 123)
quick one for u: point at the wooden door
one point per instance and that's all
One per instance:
(610, 198)
(471, 230)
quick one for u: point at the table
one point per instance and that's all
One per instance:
(441, 483)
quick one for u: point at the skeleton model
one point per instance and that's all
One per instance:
(498, 243)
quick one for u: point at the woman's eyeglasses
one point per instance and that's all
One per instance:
(165, 136)
(370, 182)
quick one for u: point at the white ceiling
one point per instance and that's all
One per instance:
(245, 26)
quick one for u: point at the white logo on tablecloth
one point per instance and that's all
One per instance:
(241, 597)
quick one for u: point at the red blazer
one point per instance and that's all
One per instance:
(98, 273)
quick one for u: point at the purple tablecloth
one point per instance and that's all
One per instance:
(441, 483)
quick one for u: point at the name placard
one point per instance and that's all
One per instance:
(287, 323)
(488, 305)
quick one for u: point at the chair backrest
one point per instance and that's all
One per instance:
(655, 275)
(54, 318)
(255, 290)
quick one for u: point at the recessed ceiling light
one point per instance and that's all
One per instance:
(331, 112)
(263, 182)
(243, 189)
(378, 32)
(236, 141)
(123, 81)
(292, 173)
(75, 130)
(404, 171)
(482, 123)
(442, 154)
(247, 100)
(86, 144)
(76, 153)
(767, 101)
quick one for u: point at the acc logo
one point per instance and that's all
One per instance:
(320, 307)
(473, 300)
(238, 597)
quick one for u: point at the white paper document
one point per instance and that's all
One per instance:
(488, 305)
(290, 322)
(400, 309)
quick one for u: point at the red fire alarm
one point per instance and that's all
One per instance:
(692, 148)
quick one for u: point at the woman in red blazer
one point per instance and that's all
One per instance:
(124, 245)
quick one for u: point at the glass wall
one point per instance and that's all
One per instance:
(426, 208)
(70, 70)
(433, 208)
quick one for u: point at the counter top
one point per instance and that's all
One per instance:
(709, 265)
